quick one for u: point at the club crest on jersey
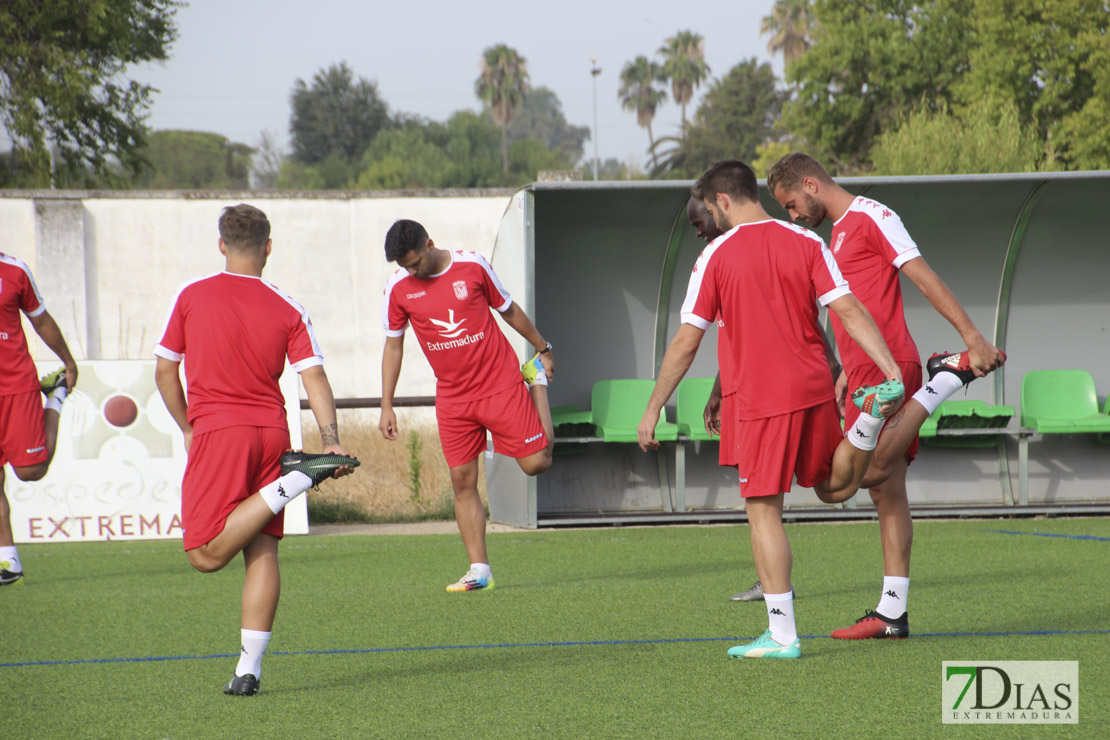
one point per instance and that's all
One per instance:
(839, 242)
(460, 289)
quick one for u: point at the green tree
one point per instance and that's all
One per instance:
(684, 66)
(337, 116)
(502, 85)
(789, 26)
(541, 117)
(63, 96)
(1051, 59)
(984, 138)
(736, 115)
(194, 160)
(869, 65)
(404, 157)
(639, 94)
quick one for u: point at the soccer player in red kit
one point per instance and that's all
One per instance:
(872, 247)
(447, 297)
(765, 278)
(28, 432)
(234, 331)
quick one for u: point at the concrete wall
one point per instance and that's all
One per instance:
(108, 264)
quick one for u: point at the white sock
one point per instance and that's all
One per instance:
(54, 402)
(864, 434)
(892, 604)
(285, 489)
(482, 569)
(250, 657)
(9, 559)
(780, 617)
(938, 390)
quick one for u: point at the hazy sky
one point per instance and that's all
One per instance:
(235, 61)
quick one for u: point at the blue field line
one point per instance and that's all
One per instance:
(504, 645)
(1048, 534)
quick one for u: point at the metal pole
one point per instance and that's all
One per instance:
(594, 72)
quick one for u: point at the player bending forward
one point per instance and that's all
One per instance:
(446, 296)
(236, 329)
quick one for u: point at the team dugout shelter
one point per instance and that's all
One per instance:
(603, 269)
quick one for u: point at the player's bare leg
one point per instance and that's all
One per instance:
(6, 538)
(898, 434)
(538, 392)
(854, 453)
(262, 583)
(849, 465)
(770, 546)
(895, 522)
(243, 525)
(470, 515)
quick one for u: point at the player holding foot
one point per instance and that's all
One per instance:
(765, 279)
(446, 296)
(28, 433)
(236, 329)
(871, 246)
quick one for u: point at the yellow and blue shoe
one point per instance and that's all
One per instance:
(533, 371)
(472, 582)
(8, 577)
(765, 647)
(51, 382)
(871, 398)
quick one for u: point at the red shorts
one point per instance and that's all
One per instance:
(22, 437)
(772, 451)
(510, 416)
(872, 375)
(727, 453)
(226, 466)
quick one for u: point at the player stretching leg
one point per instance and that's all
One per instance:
(873, 249)
(237, 329)
(28, 432)
(447, 297)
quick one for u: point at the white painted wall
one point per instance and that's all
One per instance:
(136, 248)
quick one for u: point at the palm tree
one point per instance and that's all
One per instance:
(789, 24)
(638, 93)
(684, 65)
(502, 85)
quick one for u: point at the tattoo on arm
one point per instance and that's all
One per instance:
(329, 435)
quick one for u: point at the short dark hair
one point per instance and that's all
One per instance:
(244, 227)
(403, 236)
(789, 172)
(732, 177)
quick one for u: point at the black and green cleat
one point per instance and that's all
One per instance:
(317, 467)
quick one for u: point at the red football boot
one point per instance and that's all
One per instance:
(873, 625)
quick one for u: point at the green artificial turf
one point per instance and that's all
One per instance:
(609, 632)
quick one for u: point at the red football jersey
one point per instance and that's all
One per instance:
(766, 279)
(234, 333)
(870, 244)
(18, 292)
(450, 313)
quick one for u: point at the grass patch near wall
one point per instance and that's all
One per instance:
(405, 480)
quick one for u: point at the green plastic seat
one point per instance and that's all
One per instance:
(1061, 402)
(617, 407)
(691, 397)
(569, 421)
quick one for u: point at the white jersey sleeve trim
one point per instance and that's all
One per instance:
(300, 367)
(168, 354)
(693, 289)
(833, 294)
(468, 256)
(316, 351)
(169, 315)
(16, 262)
(891, 227)
(398, 275)
(905, 257)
